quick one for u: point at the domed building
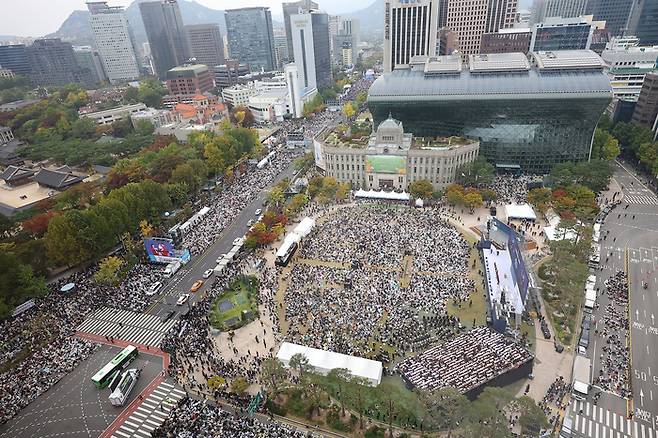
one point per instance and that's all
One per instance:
(391, 159)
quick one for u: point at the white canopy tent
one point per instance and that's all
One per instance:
(324, 361)
(374, 194)
(304, 227)
(520, 211)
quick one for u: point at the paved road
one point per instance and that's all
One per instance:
(183, 280)
(74, 407)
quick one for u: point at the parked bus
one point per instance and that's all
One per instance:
(126, 384)
(285, 253)
(105, 375)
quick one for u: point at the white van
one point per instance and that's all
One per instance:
(154, 289)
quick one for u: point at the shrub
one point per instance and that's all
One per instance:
(276, 409)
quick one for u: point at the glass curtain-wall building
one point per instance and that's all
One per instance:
(523, 116)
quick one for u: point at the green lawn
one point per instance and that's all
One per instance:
(228, 310)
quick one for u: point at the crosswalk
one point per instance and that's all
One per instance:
(593, 421)
(641, 199)
(138, 328)
(151, 413)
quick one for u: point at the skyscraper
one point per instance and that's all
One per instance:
(470, 19)
(310, 41)
(206, 44)
(251, 37)
(643, 22)
(615, 13)
(52, 62)
(166, 35)
(87, 57)
(114, 41)
(556, 33)
(409, 30)
(557, 8)
(14, 58)
(294, 8)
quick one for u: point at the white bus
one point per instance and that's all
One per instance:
(128, 380)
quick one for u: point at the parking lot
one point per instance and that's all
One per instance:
(74, 406)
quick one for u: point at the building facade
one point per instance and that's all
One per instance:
(626, 66)
(114, 42)
(507, 41)
(107, 117)
(470, 19)
(5, 73)
(14, 58)
(410, 30)
(615, 13)
(310, 38)
(189, 79)
(556, 33)
(646, 109)
(156, 117)
(206, 44)
(643, 21)
(166, 35)
(88, 58)
(531, 116)
(558, 8)
(295, 8)
(227, 75)
(251, 37)
(52, 63)
(393, 159)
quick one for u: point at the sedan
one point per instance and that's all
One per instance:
(196, 286)
(207, 273)
(259, 211)
(182, 299)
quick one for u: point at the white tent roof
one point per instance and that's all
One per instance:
(304, 227)
(520, 211)
(373, 194)
(324, 361)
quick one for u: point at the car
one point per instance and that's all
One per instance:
(196, 286)
(236, 241)
(154, 289)
(259, 211)
(182, 299)
(207, 273)
(220, 258)
(250, 222)
(166, 316)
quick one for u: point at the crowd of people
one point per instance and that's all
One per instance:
(197, 419)
(513, 189)
(614, 358)
(554, 400)
(376, 284)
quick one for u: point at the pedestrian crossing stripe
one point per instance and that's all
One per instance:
(151, 413)
(138, 328)
(641, 199)
(596, 422)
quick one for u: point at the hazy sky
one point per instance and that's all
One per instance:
(40, 17)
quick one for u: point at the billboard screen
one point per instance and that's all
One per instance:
(159, 250)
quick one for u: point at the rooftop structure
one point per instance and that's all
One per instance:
(507, 62)
(533, 118)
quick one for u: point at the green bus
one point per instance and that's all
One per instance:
(105, 375)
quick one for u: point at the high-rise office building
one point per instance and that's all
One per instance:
(294, 8)
(506, 41)
(53, 63)
(206, 44)
(409, 30)
(87, 57)
(334, 30)
(646, 109)
(615, 13)
(114, 41)
(166, 35)
(310, 41)
(543, 9)
(557, 33)
(251, 37)
(189, 79)
(470, 19)
(14, 58)
(281, 50)
(643, 22)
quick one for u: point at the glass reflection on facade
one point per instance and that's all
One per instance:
(535, 127)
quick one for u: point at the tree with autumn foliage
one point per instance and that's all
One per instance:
(38, 225)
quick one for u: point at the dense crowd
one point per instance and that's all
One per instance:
(377, 284)
(615, 355)
(554, 401)
(513, 189)
(198, 419)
